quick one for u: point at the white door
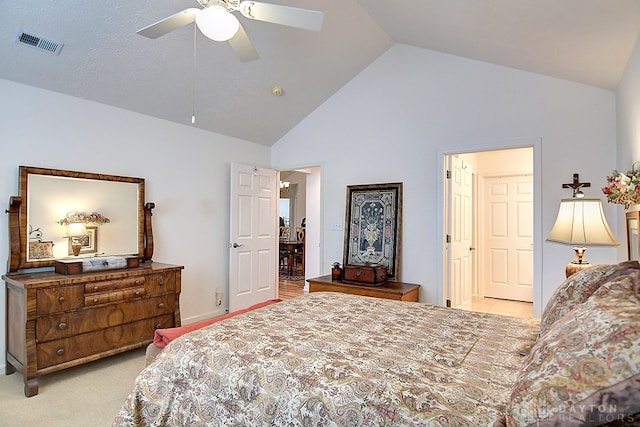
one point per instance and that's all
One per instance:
(460, 232)
(253, 239)
(507, 237)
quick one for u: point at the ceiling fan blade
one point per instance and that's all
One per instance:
(169, 24)
(284, 15)
(242, 46)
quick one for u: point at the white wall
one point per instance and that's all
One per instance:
(628, 142)
(187, 173)
(391, 122)
(313, 235)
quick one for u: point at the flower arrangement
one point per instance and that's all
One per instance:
(92, 218)
(624, 188)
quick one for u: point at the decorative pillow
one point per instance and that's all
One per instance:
(580, 286)
(586, 369)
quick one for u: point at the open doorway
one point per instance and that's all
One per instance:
(489, 226)
(299, 214)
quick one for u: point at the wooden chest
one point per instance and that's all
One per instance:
(56, 321)
(391, 290)
(366, 274)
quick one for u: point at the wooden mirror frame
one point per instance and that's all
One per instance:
(633, 242)
(18, 223)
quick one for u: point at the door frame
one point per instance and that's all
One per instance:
(536, 144)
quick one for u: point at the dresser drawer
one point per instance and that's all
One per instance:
(78, 346)
(98, 299)
(161, 283)
(63, 325)
(62, 298)
(114, 285)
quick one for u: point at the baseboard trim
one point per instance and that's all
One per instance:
(205, 316)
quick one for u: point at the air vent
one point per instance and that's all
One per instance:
(39, 43)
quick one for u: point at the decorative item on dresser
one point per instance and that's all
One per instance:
(372, 275)
(390, 290)
(88, 307)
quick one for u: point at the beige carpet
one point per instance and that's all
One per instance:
(87, 395)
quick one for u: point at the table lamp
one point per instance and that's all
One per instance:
(581, 222)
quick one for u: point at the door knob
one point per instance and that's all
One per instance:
(235, 245)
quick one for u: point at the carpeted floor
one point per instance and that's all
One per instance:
(87, 395)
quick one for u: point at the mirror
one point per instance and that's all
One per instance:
(633, 244)
(49, 196)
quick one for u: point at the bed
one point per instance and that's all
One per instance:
(345, 360)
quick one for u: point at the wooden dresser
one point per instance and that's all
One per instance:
(390, 290)
(57, 321)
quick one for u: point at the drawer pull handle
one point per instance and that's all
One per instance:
(158, 326)
(95, 300)
(60, 351)
(137, 292)
(61, 326)
(95, 288)
(161, 305)
(60, 299)
(161, 283)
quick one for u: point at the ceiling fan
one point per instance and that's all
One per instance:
(216, 21)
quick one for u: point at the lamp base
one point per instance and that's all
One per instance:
(75, 247)
(579, 262)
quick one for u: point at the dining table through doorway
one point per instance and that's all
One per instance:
(289, 250)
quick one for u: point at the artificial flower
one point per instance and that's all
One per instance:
(623, 188)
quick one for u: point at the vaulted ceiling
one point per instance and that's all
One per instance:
(104, 60)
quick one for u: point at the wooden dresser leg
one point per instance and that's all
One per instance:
(9, 368)
(30, 387)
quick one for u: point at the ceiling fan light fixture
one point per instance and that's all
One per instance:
(216, 23)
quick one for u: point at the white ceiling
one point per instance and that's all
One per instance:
(104, 60)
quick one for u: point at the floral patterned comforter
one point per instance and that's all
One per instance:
(335, 359)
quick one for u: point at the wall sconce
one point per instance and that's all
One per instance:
(74, 231)
(581, 222)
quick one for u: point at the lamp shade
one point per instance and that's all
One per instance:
(76, 229)
(216, 23)
(581, 221)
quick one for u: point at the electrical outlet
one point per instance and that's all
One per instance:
(218, 298)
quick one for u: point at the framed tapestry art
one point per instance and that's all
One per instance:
(373, 226)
